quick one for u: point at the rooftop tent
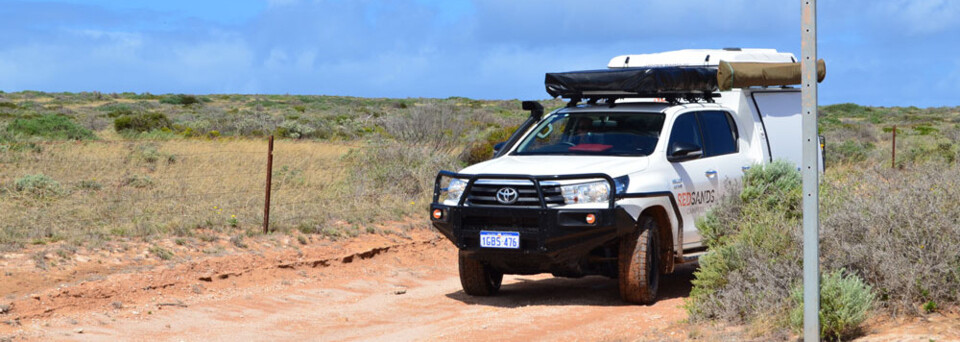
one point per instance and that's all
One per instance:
(632, 82)
(673, 81)
(746, 74)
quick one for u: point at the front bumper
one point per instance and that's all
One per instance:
(551, 240)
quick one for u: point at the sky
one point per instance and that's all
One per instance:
(880, 53)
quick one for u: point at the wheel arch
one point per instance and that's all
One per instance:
(665, 234)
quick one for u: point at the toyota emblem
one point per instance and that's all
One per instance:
(507, 195)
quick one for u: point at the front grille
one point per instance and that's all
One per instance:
(484, 193)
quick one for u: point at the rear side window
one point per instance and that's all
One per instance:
(685, 130)
(719, 133)
(714, 131)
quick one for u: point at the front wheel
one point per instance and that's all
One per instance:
(639, 263)
(477, 278)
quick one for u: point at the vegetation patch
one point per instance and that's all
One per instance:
(140, 123)
(180, 99)
(845, 301)
(53, 127)
(754, 239)
(38, 186)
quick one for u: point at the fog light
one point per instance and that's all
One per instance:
(591, 218)
(437, 214)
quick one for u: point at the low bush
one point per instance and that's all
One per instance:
(481, 150)
(754, 238)
(439, 126)
(294, 129)
(402, 169)
(899, 230)
(140, 123)
(38, 186)
(150, 153)
(845, 301)
(890, 231)
(180, 99)
(137, 181)
(848, 152)
(51, 126)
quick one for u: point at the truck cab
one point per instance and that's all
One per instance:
(613, 185)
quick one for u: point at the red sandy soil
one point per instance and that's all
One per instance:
(374, 287)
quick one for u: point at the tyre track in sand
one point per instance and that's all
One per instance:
(365, 290)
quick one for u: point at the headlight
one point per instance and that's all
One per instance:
(452, 190)
(593, 192)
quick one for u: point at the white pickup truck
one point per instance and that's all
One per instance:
(612, 183)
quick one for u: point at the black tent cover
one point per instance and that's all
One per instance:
(633, 82)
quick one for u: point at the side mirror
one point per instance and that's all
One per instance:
(682, 151)
(498, 146)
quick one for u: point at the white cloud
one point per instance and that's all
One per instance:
(276, 60)
(922, 17)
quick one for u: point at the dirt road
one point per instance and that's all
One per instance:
(369, 288)
(406, 291)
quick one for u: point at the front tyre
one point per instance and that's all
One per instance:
(477, 278)
(639, 263)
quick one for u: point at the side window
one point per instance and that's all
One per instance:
(719, 133)
(685, 130)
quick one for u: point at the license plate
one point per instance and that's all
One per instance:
(491, 239)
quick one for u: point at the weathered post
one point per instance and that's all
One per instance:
(893, 149)
(266, 197)
(810, 173)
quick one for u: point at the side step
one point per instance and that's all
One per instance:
(689, 257)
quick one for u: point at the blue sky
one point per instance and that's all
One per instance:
(885, 53)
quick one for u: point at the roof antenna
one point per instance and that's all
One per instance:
(626, 62)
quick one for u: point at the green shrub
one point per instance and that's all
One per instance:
(138, 181)
(753, 235)
(925, 130)
(845, 302)
(927, 152)
(162, 253)
(482, 150)
(114, 110)
(49, 127)
(849, 151)
(38, 185)
(179, 99)
(141, 123)
(294, 129)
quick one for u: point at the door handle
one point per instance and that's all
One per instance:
(711, 173)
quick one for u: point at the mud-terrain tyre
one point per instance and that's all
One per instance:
(477, 278)
(639, 263)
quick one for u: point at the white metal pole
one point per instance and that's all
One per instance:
(810, 173)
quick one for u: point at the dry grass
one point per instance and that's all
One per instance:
(144, 188)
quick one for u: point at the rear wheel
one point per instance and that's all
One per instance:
(639, 263)
(477, 278)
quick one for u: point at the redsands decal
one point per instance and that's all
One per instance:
(696, 197)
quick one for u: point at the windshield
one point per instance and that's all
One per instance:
(605, 134)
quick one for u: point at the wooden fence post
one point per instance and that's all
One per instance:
(266, 198)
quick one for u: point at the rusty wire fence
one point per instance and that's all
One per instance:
(104, 188)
